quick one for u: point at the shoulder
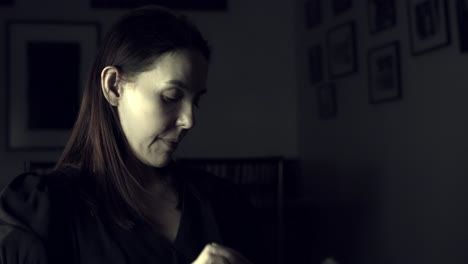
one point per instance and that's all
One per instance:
(24, 212)
(20, 246)
(25, 202)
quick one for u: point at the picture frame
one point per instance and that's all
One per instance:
(39, 167)
(340, 6)
(213, 5)
(313, 13)
(326, 100)
(462, 21)
(41, 107)
(342, 50)
(382, 15)
(384, 73)
(315, 63)
(429, 25)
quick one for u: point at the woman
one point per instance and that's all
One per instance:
(116, 195)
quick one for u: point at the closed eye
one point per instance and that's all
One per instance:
(168, 99)
(172, 95)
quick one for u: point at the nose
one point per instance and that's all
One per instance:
(185, 119)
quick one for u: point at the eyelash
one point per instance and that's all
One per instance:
(171, 100)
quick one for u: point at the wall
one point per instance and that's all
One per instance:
(251, 106)
(402, 163)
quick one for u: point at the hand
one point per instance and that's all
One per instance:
(217, 254)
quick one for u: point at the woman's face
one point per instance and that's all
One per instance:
(156, 108)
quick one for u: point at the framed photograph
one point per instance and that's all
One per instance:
(173, 4)
(313, 13)
(39, 167)
(46, 62)
(384, 73)
(340, 6)
(315, 64)
(429, 27)
(462, 19)
(382, 15)
(326, 100)
(341, 45)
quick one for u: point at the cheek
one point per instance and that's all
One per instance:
(140, 118)
(147, 121)
(146, 115)
(166, 113)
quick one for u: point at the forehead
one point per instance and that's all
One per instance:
(188, 66)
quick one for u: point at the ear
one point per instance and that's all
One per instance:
(110, 84)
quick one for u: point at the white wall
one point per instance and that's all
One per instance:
(405, 161)
(251, 106)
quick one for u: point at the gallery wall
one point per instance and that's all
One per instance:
(250, 109)
(402, 162)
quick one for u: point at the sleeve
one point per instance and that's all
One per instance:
(24, 210)
(18, 246)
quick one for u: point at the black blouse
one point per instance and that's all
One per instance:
(42, 220)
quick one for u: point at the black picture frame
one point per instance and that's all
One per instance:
(462, 21)
(429, 25)
(207, 5)
(342, 50)
(326, 100)
(382, 15)
(341, 6)
(41, 107)
(315, 63)
(313, 13)
(384, 73)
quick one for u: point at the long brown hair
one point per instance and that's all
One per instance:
(97, 145)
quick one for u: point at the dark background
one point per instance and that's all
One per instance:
(378, 183)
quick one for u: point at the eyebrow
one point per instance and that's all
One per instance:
(184, 86)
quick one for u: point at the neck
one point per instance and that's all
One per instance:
(151, 178)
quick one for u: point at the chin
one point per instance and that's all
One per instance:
(159, 162)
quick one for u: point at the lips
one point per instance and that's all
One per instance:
(171, 143)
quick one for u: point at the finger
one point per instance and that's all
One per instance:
(217, 259)
(204, 255)
(233, 256)
(209, 256)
